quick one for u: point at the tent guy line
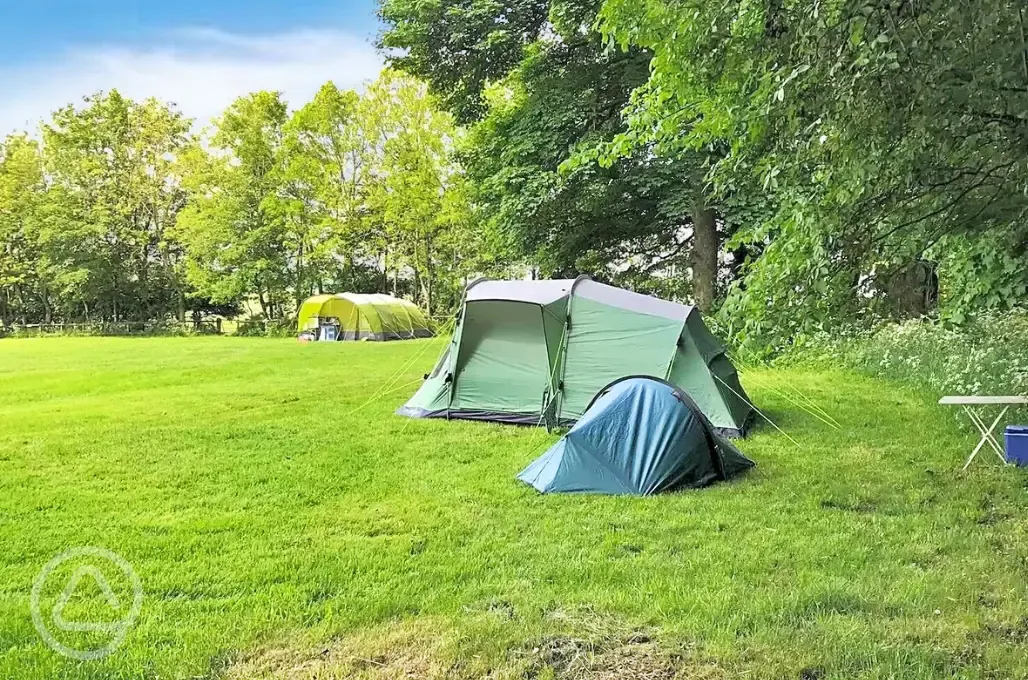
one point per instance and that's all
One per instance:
(767, 366)
(798, 404)
(761, 414)
(385, 389)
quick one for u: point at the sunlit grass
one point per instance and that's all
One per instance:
(266, 505)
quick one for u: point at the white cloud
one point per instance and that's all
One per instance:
(201, 70)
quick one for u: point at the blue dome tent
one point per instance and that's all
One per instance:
(639, 436)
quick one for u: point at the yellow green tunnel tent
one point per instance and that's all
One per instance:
(364, 317)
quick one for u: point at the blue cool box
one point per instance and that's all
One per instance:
(1017, 444)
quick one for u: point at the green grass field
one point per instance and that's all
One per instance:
(280, 530)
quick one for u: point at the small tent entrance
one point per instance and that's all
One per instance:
(503, 356)
(535, 352)
(351, 316)
(641, 436)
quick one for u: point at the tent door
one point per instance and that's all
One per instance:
(502, 364)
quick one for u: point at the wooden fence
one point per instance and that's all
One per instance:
(203, 327)
(251, 327)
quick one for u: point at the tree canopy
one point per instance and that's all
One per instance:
(879, 137)
(123, 211)
(789, 165)
(535, 82)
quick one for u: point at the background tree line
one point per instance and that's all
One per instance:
(795, 165)
(789, 165)
(118, 211)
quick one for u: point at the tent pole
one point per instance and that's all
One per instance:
(678, 346)
(555, 392)
(458, 335)
(566, 342)
(562, 356)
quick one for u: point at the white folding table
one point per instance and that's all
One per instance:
(969, 404)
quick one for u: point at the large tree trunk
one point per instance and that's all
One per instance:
(911, 291)
(263, 301)
(418, 291)
(429, 275)
(704, 255)
(386, 265)
(143, 312)
(299, 295)
(23, 307)
(47, 311)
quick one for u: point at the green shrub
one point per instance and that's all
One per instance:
(259, 327)
(157, 328)
(986, 356)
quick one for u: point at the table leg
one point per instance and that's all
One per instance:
(974, 419)
(996, 446)
(993, 442)
(986, 432)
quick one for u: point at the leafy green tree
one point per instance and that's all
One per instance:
(557, 94)
(416, 194)
(295, 201)
(111, 198)
(236, 237)
(861, 136)
(338, 133)
(462, 45)
(21, 189)
(43, 264)
(284, 205)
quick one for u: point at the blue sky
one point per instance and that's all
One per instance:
(199, 55)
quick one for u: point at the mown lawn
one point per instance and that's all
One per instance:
(281, 530)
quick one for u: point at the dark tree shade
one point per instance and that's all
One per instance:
(560, 90)
(460, 45)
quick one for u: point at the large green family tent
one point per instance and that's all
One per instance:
(640, 436)
(364, 317)
(535, 352)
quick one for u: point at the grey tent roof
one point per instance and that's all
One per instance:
(548, 292)
(636, 302)
(538, 292)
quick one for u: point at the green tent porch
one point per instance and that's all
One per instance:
(536, 352)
